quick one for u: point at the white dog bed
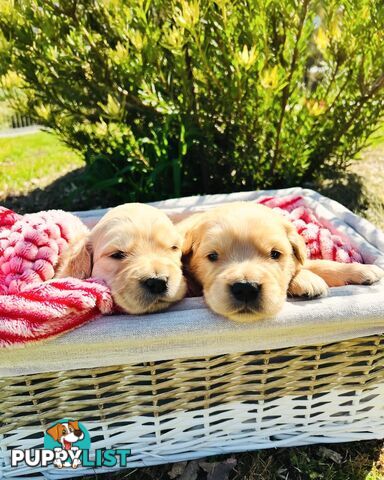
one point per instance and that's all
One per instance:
(195, 403)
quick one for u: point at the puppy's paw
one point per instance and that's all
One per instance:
(58, 463)
(307, 284)
(358, 274)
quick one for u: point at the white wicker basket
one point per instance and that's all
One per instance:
(173, 386)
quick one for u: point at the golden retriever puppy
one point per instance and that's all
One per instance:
(136, 250)
(248, 257)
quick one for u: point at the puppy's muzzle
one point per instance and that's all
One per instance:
(245, 292)
(156, 286)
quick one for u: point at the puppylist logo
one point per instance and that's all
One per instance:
(67, 444)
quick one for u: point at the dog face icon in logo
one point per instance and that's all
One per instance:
(66, 433)
(67, 438)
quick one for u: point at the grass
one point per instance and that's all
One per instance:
(38, 172)
(31, 161)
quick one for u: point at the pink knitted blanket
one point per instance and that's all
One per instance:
(321, 242)
(34, 306)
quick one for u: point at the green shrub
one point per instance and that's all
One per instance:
(172, 97)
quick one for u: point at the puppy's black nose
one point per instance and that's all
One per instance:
(156, 285)
(245, 291)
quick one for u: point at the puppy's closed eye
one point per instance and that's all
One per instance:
(119, 255)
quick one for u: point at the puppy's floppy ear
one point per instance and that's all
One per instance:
(74, 424)
(298, 244)
(189, 229)
(76, 260)
(54, 431)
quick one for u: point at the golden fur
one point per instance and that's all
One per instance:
(149, 246)
(232, 244)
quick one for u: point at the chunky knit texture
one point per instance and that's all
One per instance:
(32, 305)
(31, 245)
(321, 242)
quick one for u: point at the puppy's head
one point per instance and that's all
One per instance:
(136, 250)
(244, 255)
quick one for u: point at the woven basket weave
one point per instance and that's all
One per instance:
(198, 405)
(184, 408)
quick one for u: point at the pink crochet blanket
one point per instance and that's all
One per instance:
(321, 242)
(35, 306)
(32, 305)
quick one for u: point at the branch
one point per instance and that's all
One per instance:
(194, 108)
(286, 89)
